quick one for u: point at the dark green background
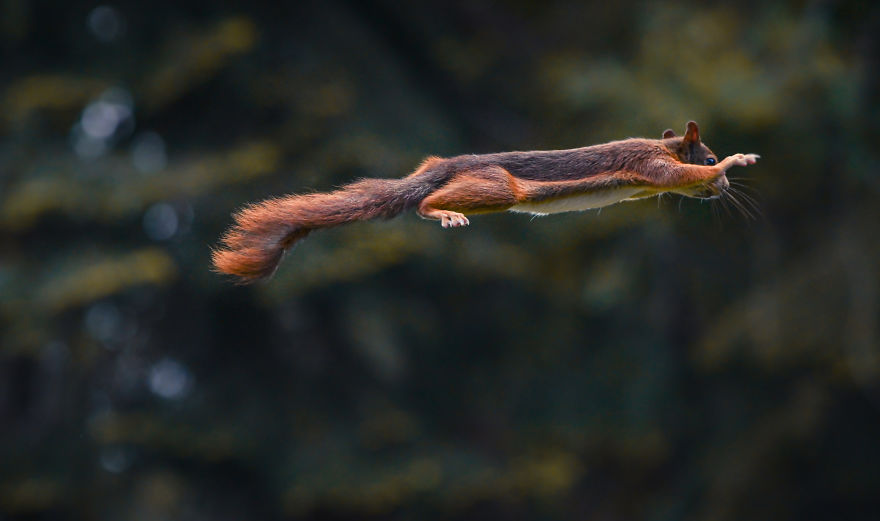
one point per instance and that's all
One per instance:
(657, 360)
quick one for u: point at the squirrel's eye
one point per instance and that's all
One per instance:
(710, 161)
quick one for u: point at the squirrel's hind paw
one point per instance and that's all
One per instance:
(453, 220)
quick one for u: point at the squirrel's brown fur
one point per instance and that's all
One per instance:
(446, 189)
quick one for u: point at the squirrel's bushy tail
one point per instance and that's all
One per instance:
(252, 248)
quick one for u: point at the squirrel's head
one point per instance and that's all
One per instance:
(689, 149)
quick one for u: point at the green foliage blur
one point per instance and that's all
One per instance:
(658, 360)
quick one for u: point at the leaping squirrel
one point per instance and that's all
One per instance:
(537, 182)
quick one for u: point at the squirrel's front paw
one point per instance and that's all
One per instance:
(743, 159)
(739, 160)
(751, 159)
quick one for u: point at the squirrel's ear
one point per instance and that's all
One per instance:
(668, 133)
(692, 135)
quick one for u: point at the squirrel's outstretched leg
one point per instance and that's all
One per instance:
(686, 174)
(487, 190)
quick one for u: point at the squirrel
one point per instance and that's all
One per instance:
(449, 189)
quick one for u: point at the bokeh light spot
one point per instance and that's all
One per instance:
(103, 321)
(169, 379)
(106, 23)
(148, 153)
(114, 460)
(161, 222)
(103, 122)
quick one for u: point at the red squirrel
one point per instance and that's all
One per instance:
(537, 182)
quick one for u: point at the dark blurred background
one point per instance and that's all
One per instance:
(657, 360)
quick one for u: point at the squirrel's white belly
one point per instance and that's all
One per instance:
(576, 203)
